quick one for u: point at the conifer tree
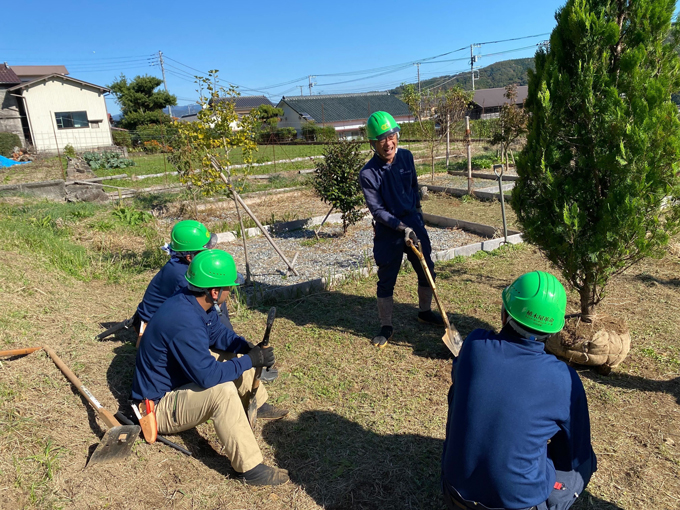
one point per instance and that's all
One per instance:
(598, 185)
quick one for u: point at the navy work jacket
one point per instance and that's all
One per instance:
(516, 413)
(391, 191)
(166, 282)
(175, 349)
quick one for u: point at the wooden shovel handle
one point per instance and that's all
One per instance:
(105, 415)
(19, 352)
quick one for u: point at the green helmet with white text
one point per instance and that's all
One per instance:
(381, 125)
(536, 300)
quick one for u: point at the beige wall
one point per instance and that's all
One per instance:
(46, 98)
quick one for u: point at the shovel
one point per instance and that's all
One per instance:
(452, 337)
(251, 410)
(118, 439)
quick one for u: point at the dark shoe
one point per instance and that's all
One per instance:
(429, 317)
(264, 475)
(270, 412)
(269, 374)
(384, 336)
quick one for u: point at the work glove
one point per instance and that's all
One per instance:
(262, 356)
(410, 234)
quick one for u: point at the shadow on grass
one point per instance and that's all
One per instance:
(589, 502)
(648, 278)
(634, 382)
(342, 465)
(358, 316)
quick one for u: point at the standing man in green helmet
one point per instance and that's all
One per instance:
(195, 369)
(518, 431)
(390, 185)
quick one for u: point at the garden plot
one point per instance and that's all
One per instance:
(334, 255)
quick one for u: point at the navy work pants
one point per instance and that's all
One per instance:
(388, 250)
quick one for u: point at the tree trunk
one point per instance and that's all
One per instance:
(587, 306)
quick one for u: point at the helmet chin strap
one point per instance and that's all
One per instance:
(524, 333)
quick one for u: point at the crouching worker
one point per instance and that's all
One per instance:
(189, 365)
(518, 431)
(187, 239)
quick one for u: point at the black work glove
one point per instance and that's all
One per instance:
(410, 234)
(262, 356)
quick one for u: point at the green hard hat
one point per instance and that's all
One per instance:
(212, 269)
(190, 235)
(536, 300)
(380, 125)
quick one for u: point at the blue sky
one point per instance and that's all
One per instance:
(264, 43)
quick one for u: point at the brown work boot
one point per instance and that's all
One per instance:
(270, 412)
(264, 475)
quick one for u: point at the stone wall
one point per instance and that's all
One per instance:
(10, 119)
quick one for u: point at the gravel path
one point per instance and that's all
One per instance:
(334, 253)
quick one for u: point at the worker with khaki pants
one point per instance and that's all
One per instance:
(195, 369)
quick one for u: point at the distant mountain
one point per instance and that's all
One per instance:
(500, 74)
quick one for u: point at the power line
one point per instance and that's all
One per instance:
(515, 38)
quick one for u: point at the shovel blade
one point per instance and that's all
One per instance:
(116, 444)
(453, 340)
(252, 413)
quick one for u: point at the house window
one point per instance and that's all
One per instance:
(67, 120)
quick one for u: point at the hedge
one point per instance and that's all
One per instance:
(7, 143)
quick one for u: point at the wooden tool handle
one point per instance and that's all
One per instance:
(105, 415)
(19, 352)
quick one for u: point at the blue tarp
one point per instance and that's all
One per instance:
(10, 162)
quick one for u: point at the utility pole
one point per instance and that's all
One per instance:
(473, 58)
(417, 64)
(311, 84)
(160, 57)
(300, 88)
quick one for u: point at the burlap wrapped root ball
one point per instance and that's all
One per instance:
(603, 343)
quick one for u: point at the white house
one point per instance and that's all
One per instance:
(57, 110)
(347, 113)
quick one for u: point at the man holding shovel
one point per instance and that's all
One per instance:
(390, 185)
(518, 431)
(189, 366)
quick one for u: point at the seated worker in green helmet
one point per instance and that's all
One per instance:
(195, 369)
(390, 185)
(187, 239)
(518, 431)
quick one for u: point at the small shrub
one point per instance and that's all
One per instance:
(7, 143)
(155, 147)
(131, 217)
(106, 160)
(122, 139)
(69, 151)
(336, 180)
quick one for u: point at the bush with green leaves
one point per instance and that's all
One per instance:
(106, 160)
(7, 143)
(122, 138)
(70, 151)
(598, 184)
(131, 217)
(314, 133)
(336, 180)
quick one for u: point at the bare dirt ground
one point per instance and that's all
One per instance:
(366, 426)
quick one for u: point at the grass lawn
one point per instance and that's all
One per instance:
(366, 426)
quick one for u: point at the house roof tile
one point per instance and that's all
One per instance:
(28, 71)
(60, 77)
(342, 107)
(8, 76)
(247, 101)
(490, 98)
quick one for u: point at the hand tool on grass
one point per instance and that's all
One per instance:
(251, 409)
(19, 352)
(118, 439)
(452, 337)
(147, 420)
(161, 439)
(115, 328)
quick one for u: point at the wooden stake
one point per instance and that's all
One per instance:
(238, 198)
(316, 232)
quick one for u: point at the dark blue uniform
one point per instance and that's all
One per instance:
(176, 349)
(165, 284)
(518, 422)
(391, 193)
